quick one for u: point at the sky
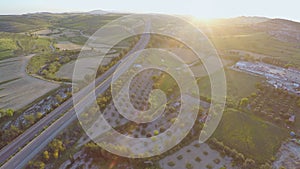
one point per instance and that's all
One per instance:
(286, 9)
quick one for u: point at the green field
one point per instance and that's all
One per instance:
(250, 135)
(19, 44)
(7, 46)
(239, 84)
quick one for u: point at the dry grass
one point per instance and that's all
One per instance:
(43, 32)
(65, 45)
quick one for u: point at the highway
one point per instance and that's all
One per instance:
(34, 139)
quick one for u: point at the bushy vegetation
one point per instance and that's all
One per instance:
(15, 126)
(275, 105)
(62, 148)
(239, 158)
(6, 113)
(47, 64)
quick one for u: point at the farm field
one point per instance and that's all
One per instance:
(17, 89)
(66, 45)
(199, 69)
(239, 84)
(250, 135)
(196, 155)
(277, 106)
(66, 71)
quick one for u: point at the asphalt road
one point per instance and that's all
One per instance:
(33, 142)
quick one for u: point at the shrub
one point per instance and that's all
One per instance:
(171, 164)
(197, 145)
(189, 166)
(217, 161)
(179, 157)
(198, 159)
(155, 132)
(209, 166)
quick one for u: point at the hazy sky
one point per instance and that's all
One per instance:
(288, 9)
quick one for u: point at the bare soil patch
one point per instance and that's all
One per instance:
(17, 89)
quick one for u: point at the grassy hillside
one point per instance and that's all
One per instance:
(270, 38)
(87, 23)
(37, 21)
(253, 34)
(22, 23)
(18, 44)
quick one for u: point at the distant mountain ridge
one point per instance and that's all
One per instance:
(241, 20)
(249, 19)
(281, 29)
(98, 12)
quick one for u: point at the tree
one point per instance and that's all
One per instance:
(171, 164)
(39, 115)
(53, 67)
(240, 158)
(2, 113)
(45, 72)
(189, 166)
(10, 112)
(244, 102)
(92, 149)
(12, 132)
(249, 164)
(156, 132)
(265, 166)
(298, 103)
(55, 154)
(59, 98)
(29, 118)
(57, 145)
(38, 164)
(46, 155)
